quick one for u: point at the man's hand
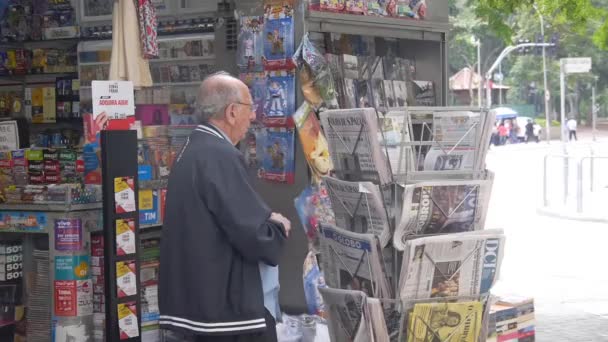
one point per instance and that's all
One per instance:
(282, 220)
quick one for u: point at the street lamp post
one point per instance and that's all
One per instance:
(546, 94)
(477, 42)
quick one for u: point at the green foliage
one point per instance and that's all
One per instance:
(542, 122)
(576, 15)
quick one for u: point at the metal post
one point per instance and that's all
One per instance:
(591, 175)
(566, 174)
(479, 72)
(500, 83)
(545, 199)
(579, 187)
(593, 113)
(546, 94)
(562, 92)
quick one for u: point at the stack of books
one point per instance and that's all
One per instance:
(512, 320)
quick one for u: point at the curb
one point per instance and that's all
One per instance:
(570, 215)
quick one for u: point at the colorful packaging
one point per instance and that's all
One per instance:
(278, 43)
(251, 43)
(356, 6)
(148, 207)
(256, 81)
(314, 143)
(275, 148)
(279, 105)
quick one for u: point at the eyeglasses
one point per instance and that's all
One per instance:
(252, 106)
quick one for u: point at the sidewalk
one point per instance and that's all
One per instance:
(556, 261)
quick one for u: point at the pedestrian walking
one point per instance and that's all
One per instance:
(571, 125)
(529, 131)
(220, 240)
(537, 131)
(503, 133)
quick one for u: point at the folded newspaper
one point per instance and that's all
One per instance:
(353, 261)
(441, 139)
(445, 322)
(358, 207)
(457, 136)
(442, 207)
(453, 265)
(385, 319)
(354, 147)
(347, 315)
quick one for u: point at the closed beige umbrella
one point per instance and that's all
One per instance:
(128, 63)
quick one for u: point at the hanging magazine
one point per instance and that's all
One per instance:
(353, 261)
(347, 315)
(314, 207)
(314, 143)
(452, 265)
(352, 135)
(359, 208)
(442, 207)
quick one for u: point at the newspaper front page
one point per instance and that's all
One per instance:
(445, 322)
(456, 135)
(358, 207)
(347, 315)
(453, 265)
(442, 207)
(352, 135)
(352, 261)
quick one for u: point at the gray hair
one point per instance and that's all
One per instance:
(215, 94)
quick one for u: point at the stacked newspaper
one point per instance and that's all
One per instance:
(353, 261)
(453, 265)
(352, 136)
(445, 321)
(440, 207)
(358, 207)
(385, 319)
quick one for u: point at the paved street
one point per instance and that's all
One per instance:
(559, 262)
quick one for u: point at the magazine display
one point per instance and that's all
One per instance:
(445, 322)
(452, 265)
(352, 135)
(352, 261)
(358, 206)
(347, 315)
(442, 207)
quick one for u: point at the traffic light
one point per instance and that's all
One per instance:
(538, 50)
(523, 50)
(552, 50)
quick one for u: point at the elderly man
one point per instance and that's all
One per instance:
(220, 240)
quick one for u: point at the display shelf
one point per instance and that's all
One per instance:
(164, 60)
(22, 231)
(150, 226)
(318, 21)
(34, 78)
(57, 207)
